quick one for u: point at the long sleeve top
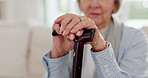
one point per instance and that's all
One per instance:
(132, 59)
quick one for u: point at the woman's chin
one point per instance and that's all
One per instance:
(97, 20)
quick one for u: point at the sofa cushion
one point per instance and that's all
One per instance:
(13, 51)
(40, 44)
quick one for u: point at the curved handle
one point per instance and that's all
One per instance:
(87, 35)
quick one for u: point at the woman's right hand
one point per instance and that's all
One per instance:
(61, 44)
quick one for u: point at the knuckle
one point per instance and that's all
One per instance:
(76, 20)
(68, 28)
(86, 23)
(70, 14)
(63, 23)
(53, 26)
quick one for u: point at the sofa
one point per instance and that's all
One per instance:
(21, 49)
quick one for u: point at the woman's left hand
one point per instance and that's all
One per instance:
(72, 24)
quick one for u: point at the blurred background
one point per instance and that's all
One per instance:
(133, 12)
(25, 31)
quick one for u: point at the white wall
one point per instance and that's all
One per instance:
(24, 11)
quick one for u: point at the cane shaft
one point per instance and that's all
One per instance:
(77, 59)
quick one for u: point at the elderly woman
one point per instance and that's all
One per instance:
(117, 51)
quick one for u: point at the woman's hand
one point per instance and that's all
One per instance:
(61, 44)
(69, 26)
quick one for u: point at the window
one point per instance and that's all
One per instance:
(2, 4)
(55, 8)
(138, 13)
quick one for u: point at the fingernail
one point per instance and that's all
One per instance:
(78, 33)
(71, 37)
(64, 33)
(72, 31)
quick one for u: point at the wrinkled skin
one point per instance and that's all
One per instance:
(97, 16)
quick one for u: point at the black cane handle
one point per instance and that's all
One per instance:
(87, 35)
(54, 33)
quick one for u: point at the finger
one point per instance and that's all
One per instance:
(71, 36)
(79, 33)
(59, 19)
(83, 24)
(71, 25)
(56, 27)
(64, 23)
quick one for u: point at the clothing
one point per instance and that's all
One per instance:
(111, 33)
(126, 60)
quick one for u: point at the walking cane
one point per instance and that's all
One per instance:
(87, 36)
